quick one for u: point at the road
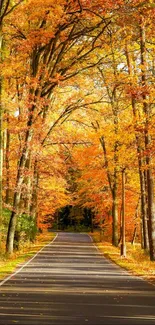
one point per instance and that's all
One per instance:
(70, 282)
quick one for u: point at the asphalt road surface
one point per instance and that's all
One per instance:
(70, 282)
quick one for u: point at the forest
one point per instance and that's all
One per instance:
(77, 119)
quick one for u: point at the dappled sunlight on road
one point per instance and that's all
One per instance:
(70, 282)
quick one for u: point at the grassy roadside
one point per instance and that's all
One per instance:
(137, 260)
(9, 264)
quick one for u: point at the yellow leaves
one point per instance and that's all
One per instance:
(37, 26)
(49, 10)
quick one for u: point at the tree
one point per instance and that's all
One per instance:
(51, 56)
(6, 8)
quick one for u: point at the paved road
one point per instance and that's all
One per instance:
(70, 282)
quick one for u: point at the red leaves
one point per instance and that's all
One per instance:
(139, 92)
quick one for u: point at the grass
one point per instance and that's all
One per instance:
(137, 260)
(9, 264)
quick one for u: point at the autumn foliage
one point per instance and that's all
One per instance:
(77, 91)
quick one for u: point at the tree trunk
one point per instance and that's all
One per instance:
(123, 245)
(135, 228)
(34, 199)
(115, 214)
(144, 210)
(134, 235)
(12, 224)
(17, 194)
(145, 237)
(115, 183)
(7, 195)
(113, 187)
(151, 214)
(147, 111)
(113, 178)
(28, 182)
(92, 221)
(1, 129)
(120, 231)
(101, 228)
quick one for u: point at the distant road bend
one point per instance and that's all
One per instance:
(70, 282)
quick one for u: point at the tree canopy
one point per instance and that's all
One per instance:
(77, 112)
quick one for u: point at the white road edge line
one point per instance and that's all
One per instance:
(90, 238)
(13, 274)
